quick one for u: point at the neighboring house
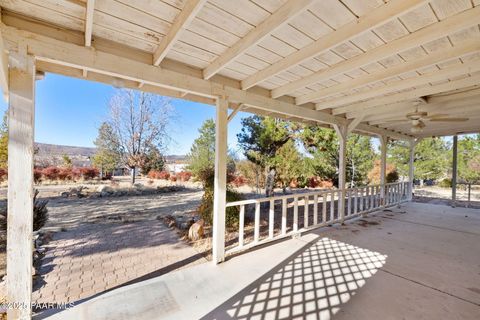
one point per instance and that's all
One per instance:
(176, 167)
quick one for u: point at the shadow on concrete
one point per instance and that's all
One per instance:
(313, 283)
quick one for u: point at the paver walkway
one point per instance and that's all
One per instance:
(90, 257)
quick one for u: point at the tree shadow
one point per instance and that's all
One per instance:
(313, 283)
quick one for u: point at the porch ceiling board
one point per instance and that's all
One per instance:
(332, 55)
(71, 55)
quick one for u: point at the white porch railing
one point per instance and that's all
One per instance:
(301, 212)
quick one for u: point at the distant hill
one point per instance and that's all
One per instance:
(59, 150)
(51, 154)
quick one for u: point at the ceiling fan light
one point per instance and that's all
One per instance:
(416, 129)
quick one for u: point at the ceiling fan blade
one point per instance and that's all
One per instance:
(397, 121)
(449, 119)
(437, 115)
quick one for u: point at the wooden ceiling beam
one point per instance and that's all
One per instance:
(400, 85)
(90, 7)
(450, 25)
(409, 95)
(412, 65)
(363, 24)
(279, 18)
(181, 22)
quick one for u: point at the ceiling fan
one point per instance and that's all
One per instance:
(418, 118)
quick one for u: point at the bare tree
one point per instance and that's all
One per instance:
(140, 123)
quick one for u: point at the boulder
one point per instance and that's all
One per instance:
(196, 230)
(105, 190)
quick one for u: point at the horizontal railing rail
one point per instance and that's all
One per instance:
(290, 215)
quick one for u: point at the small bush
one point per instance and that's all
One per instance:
(89, 173)
(184, 175)
(3, 174)
(238, 181)
(50, 173)
(65, 174)
(445, 183)
(392, 176)
(173, 178)
(206, 205)
(317, 182)
(37, 175)
(162, 175)
(40, 213)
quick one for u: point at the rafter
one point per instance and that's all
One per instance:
(280, 17)
(409, 95)
(363, 24)
(438, 75)
(434, 31)
(412, 65)
(436, 103)
(90, 7)
(188, 13)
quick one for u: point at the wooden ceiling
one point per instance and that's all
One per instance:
(371, 60)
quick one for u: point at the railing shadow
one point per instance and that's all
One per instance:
(313, 283)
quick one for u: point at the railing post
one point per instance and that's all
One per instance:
(220, 182)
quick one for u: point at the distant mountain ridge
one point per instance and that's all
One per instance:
(45, 149)
(55, 150)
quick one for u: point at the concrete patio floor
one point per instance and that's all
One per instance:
(419, 261)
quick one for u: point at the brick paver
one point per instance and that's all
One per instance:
(92, 258)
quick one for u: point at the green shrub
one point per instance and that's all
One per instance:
(40, 213)
(205, 209)
(392, 176)
(445, 183)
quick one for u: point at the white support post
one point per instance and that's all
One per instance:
(383, 167)
(20, 184)
(411, 168)
(220, 183)
(342, 133)
(454, 170)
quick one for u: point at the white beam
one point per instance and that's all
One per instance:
(454, 170)
(182, 21)
(383, 166)
(89, 22)
(3, 69)
(354, 123)
(20, 185)
(234, 112)
(342, 133)
(363, 24)
(432, 32)
(220, 182)
(410, 95)
(279, 18)
(400, 85)
(411, 166)
(409, 66)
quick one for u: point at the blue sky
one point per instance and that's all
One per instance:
(69, 112)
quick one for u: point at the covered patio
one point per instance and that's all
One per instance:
(402, 70)
(419, 260)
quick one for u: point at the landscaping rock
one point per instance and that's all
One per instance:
(196, 230)
(169, 221)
